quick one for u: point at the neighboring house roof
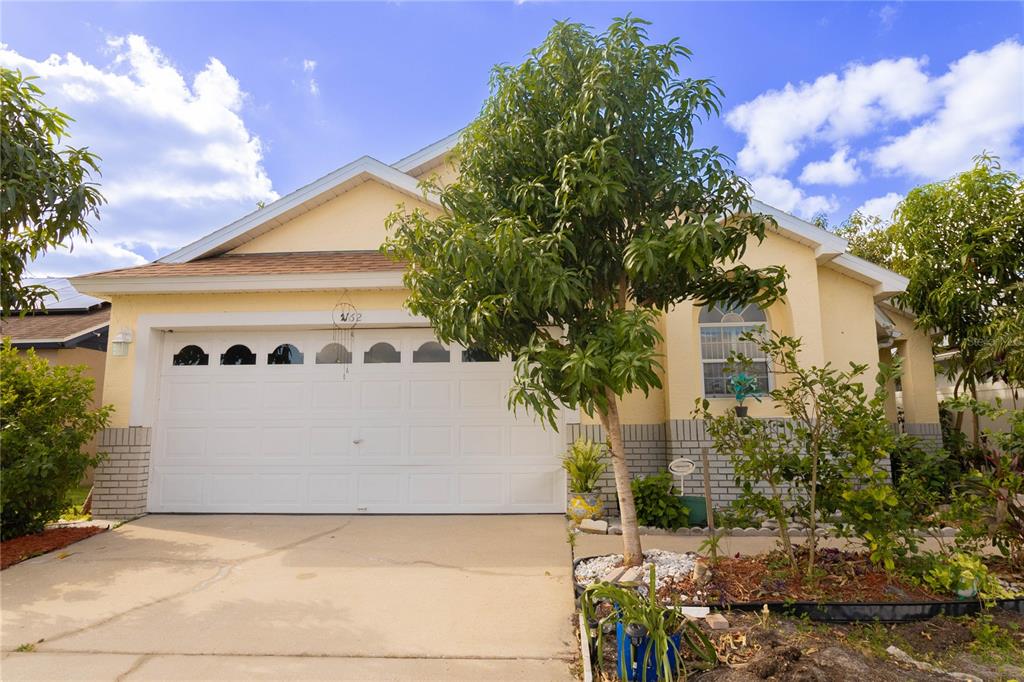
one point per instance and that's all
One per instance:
(67, 297)
(830, 250)
(58, 329)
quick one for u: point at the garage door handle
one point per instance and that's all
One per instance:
(357, 441)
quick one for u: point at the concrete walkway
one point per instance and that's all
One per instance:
(297, 597)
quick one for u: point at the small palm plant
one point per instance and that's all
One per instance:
(584, 464)
(662, 642)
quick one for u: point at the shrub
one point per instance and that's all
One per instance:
(45, 419)
(656, 505)
(583, 465)
(826, 461)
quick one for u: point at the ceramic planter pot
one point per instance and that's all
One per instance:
(585, 506)
(741, 410)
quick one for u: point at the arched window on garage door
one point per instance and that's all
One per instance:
(190, 355)
(238, 354)
(334, 354)
(431, 351)
(381, 352)
(285, 354)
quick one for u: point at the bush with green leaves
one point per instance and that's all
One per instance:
(958, 572)
(827, 460)
(45, 419)
(656, 504)
(584, 464)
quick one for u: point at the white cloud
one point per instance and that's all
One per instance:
(982, 110)
(309, 65)
(936, 124)
(838, 170)
(784, 195)
(887, 16)
(881, 207)
(314, 89)
(778, 124)
(177, 157)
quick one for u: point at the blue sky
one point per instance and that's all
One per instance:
(201, 110)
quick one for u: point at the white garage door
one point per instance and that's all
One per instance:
(387, 422)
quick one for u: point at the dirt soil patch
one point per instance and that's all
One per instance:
(842, 577)
(28, 546)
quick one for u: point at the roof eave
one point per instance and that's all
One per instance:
(187, 284)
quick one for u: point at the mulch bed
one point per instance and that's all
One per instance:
(28, 546)
(843, 577)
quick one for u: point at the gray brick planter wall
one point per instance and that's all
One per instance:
(930, 435)
(119, 487)
(650, 448)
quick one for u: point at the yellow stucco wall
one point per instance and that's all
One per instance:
(915, 350)
(443, 173)
(353, 221)
(848, 322)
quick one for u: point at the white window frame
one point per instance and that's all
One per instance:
(749, 326)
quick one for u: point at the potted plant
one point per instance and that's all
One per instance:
(583, 463)
(743, 386)
(653, 639)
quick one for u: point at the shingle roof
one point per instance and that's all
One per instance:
(55, 326)
(264, 264)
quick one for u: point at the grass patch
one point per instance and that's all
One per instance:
(74, 501)
(994, 643)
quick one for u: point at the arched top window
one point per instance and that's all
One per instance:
(477, 355)
(431, 351)
(334, 354)
(238, 355)
(720, 330)
(191, 355)
(382, 352)
(285, 354)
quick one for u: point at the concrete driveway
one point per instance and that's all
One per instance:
(297, 597)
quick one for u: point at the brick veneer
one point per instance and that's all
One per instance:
(119, 486)
(650, 448)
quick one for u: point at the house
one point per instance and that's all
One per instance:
(272, 368)
(70, 329)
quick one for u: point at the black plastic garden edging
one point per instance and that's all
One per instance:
(855, 612)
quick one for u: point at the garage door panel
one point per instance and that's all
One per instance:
(485, 394)
(284, 442)
(483, 489)
(281, 489)
(380, 395)
(481, 441)
(233, 442)
(434, 442)
(407, 437)
(184, 442)
(333, 395)
(187, 397)
(331, 442)
(379, 443)
(286, 396)
(331, 489)
(237, 396)
(431, 489)
(379, 488)
(426, 395)
(534, 487)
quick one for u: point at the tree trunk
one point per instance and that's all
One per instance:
(632, 553)
(974, 418)
(812, 539)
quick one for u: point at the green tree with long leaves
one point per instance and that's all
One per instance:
(583, 210)
(47, 196)
(964, 240)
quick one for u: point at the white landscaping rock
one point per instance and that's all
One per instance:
(667, 566)
(592, 526)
